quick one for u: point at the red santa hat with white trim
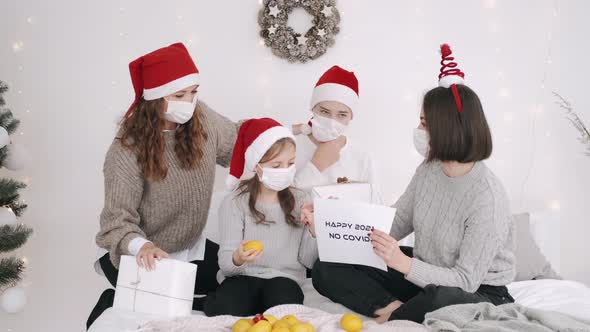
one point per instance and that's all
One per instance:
(162, 72)
(254, 139)
(336, 84)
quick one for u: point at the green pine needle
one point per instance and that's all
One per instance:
(9, 191)
(11, 270)
(3, 89)
(8, 121)
(13, 236)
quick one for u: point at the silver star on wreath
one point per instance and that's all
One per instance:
(321, 32)
(301, 40)
(327, 11)
(274, 10)
(272, 29)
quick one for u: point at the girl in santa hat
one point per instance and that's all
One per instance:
(325, 153)
(159, 172)
(458, 210)
(266, 209)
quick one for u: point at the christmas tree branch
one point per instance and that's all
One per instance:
(575, 120)
(11, 270)
(8, 121)
(3, 89)
(9, 191)
(13, 236)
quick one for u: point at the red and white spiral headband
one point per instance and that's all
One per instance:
(450, 75)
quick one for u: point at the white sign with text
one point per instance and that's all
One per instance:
(342, 229)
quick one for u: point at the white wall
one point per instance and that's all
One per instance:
(70, 83)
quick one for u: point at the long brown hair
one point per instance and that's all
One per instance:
(142, 133)
(252, 187)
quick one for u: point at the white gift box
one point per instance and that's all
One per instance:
(168, 290)
(351, 191)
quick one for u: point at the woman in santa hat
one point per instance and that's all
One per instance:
(159, 171)
(458, 210)
(325, 153)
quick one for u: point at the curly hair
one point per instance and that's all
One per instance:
(142, 133)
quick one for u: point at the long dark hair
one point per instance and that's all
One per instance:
(252, 187)
(142, 133)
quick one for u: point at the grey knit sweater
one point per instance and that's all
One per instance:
(171, 212)
(288, 250)
(463, 228)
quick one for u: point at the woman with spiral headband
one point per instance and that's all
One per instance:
(458, 210)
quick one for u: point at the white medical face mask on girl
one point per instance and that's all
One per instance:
(180, 111)
(277, 179)
(326, 129)
(422, 142)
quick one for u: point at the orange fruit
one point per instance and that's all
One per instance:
(271, 319)
(241, 325)
(253, 245)
(280, 329)
(300, 327)
(281, 323)
(351, 323)
(310, 328)
(292, 320)
(261, 326)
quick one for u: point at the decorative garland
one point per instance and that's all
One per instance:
(288, 44)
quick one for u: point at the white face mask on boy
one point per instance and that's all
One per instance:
(277, 179)
(326, 129)
(180, 111)
(422, 142)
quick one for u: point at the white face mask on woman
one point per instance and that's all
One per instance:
(180, 111)
(422, 142)
(277, 179)
(326, 129)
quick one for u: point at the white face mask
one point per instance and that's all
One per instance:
(326, 129)
(277, 179)
(422, 142)
(180, 111)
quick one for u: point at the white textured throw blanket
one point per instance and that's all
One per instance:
(323, 322)
(484, 317)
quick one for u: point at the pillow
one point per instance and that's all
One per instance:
(530, 262)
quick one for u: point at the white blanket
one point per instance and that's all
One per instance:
(323, 322)
(563, 296)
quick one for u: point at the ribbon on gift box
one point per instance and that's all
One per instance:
(136, 289)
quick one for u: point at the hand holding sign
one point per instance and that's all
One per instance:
(387, 248)
(343, 228)
(307, 218)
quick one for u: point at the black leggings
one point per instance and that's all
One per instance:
(365, 289)
(245, 296)
(205, 282)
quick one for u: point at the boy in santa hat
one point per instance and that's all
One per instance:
(325, 154)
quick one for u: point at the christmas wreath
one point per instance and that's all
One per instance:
(288, 44)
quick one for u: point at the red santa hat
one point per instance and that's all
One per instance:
(162, 72)
(254, 139)
(339, 85)
(450, 75)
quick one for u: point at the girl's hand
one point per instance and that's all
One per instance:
(240, 256)
(307, 218)
(147, 255)
(387, 248)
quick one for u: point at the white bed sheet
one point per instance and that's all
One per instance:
(563, 296)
